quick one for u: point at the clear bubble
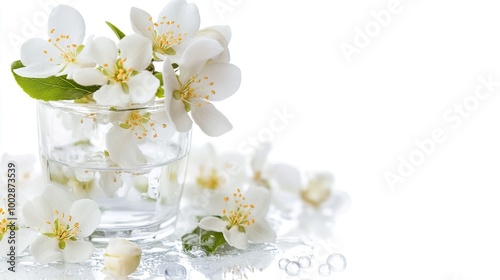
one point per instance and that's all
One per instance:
(337, 262)
(292, 268)
(175, 272)
(324, 269)
(283, 262)
(304, 262)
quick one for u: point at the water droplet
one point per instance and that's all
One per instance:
(337, 262)
(304, 262)
(175, 272)
(283, 262)
(324, 269)
(292, 268)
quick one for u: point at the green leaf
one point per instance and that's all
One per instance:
(204, 240)
(51, 88)
(160, 93)
(115, 29)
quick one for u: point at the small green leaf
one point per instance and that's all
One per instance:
(86, 99)
(241, 229)
(170, 51)
(62, 244)
(125, 88)
(187, 106)
(85, 142)
(49, 234)
(125, 126)
(204, 240)
(150, 68)
(79, 49)
(160, 93)
(51, 88)
(115, 29)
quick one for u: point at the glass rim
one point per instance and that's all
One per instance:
(70, 105)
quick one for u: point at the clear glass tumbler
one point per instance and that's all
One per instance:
(131, 161)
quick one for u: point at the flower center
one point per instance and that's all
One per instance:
(141, 125)
(261, 181)
(315, 194)
(121, 75)
(163, 42)
(68, 50)
(241, 216)
(211, 182)
(195, 88)
(63, 228)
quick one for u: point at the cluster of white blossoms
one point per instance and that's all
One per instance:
(236, 196)
(167, 59)
(195, 72)
(54, 223)
(232, 195)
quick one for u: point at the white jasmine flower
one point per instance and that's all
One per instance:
(176, 23)
(63, 223)
(25, 166)
(138, 138)
(110, 182)
(197, 85)
(123, 79)
(318, 189)
(312, 201)
(210, 172)
(28, 176)
(242, 217)
(22, 235)
(121, 258)
(62, 53)
(259, 164)
(81, 126)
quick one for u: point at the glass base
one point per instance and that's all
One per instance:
(139, 205)
(140, 235)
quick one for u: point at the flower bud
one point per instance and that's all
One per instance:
(220, 33)
(121, 258)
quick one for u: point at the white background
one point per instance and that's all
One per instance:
(356, 119)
